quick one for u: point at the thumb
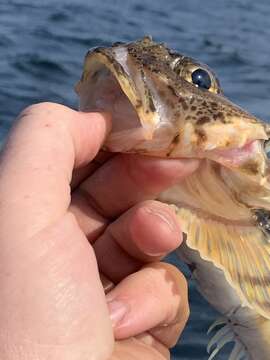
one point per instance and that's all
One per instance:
(36, 166)
(51, 299)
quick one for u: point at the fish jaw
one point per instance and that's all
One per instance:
(157, 113)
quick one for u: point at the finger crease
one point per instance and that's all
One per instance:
(93, 203)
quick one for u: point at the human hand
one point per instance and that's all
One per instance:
(51, 298)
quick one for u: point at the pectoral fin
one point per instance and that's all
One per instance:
(242, 252)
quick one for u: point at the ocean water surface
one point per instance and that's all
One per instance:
(43, 43)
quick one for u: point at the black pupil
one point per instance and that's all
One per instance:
(201, 78)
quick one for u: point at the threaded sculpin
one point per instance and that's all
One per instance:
(169, 105)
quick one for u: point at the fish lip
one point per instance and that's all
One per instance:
(236, 155)
(102, 56)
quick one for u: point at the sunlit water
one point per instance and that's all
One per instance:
(43, 43)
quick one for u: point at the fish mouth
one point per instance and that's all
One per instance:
(112, 83)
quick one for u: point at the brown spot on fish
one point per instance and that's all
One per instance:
(148, 94)
(162, 94)
(138, 103)
(98, 49)
(183, 102)
(203, 120)
(172, 90)
(176, 139)
(201, 136)
(174, 142)
(151, 103)
(251, 167)
(213, 105)
(219, 116)
(117, 43)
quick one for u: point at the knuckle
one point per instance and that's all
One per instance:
(43, 110)
(37, 108)
(155, 205)
(45, 114)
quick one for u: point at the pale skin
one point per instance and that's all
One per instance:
(62, 214)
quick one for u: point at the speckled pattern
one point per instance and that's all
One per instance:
(171, 75)
(203, 106)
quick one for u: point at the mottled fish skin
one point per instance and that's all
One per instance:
(169, 105)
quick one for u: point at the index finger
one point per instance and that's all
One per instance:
(37, 163)
(127, 179)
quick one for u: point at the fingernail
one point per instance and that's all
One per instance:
(164, 236)
(118, 310)
(165, 218)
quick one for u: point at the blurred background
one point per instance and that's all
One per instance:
(43, 43)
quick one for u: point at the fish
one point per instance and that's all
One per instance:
(169, 105)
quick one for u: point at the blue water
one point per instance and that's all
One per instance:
(42, 45)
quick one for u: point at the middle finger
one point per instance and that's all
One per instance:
(145, 233)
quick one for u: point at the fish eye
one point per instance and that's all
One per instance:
(196, 73)
(267, 148)
(201, 79)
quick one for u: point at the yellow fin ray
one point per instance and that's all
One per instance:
(242, 252)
